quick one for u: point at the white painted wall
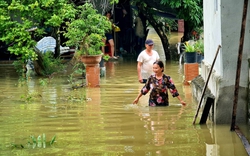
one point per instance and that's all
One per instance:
(222, 26)
(231, 16)
(212, 39)
(212, 31)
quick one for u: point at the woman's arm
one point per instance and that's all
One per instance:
(139, 64)
(182, 102)
(173, 90)
(137, 98)
(145, 89)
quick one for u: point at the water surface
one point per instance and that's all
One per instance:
(107, 123)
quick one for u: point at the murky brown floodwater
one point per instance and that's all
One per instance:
(107, 124)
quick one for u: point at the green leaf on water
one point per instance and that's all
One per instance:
(53, 140)
(44, 137)
(33, 139)
(33, 142)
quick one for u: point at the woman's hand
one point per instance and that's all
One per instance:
(183, 103)
(141, 80)
(136, 101)
(137, 98)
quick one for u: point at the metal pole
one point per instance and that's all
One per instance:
(237, 80)
(205, 87)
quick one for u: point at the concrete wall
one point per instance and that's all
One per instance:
(222, 26)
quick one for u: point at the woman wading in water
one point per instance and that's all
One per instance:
(159, 83)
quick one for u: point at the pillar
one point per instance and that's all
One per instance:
(93, 76)
(191, 70)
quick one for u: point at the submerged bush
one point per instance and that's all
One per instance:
(51, 65)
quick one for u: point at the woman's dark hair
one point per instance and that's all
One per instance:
(160, 64)
(107, 12)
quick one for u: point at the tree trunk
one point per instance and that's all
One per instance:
(187, 32)
(38, 64)
(56, 36)
(140, 40)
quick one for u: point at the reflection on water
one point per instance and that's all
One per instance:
(106, 124)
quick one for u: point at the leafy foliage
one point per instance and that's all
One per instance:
(78, 69)
(51, 64)
(87, 31)
(20, 68)
(194, 46)
(43, 82)
(30, 96)
(189, 10)
(199, 46)
(189, 47)
(22, 22)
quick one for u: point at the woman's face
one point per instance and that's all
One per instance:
(108, 15)
(157, 69)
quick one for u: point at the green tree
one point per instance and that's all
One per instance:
(19, 17)
(189, 10)
(48, 17)
(24, 22)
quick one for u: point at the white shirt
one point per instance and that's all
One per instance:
(147, 63)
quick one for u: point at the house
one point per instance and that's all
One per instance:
(222, 26)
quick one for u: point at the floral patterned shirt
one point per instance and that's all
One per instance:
(159, 90)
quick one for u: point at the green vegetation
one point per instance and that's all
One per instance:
(189, 48)
(77, 74)
(189, 10)
(195, 46)
(87, 31)
(33, 142)
(199, 47)
(20, 68)
(43, 82)
(51, 65)
(30, 96)
(76, 96)
(23, 23)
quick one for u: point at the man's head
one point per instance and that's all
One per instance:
(149, 42)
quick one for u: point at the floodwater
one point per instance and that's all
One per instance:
(107, 123)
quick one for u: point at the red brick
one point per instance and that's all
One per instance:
(191, 70)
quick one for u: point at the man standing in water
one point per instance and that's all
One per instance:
(145, 61)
